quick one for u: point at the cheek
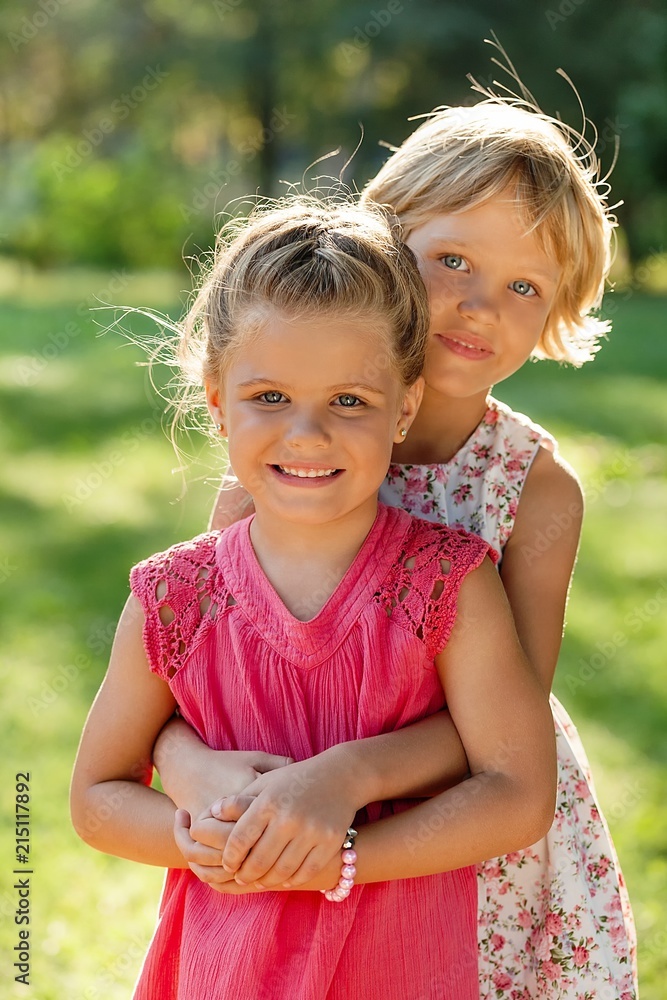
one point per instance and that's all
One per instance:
(373, 438)
(527, 324)
(443, 287)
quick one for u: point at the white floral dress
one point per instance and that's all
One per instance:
(555, 919)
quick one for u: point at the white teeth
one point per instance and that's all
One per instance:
(307, 473)
(464, 343)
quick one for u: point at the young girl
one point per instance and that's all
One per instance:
(323, 619)
(511, 229)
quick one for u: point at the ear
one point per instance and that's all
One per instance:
(409, 407)
(215, 403)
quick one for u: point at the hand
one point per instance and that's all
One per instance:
(290, 822)
(193, 775)
(204, 858)
(203, 855)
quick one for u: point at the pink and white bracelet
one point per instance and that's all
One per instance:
(347, 872)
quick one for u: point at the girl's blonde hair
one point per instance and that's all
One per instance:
(462, 156)
(308, 256)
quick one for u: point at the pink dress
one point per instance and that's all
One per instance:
(248, 675)
(555, 921)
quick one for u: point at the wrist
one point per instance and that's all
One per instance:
(179, 759)
(348, 871)
(359, 777)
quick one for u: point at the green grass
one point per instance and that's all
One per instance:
(87, 489)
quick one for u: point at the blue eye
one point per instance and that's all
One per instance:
(454, 262)
(348, 401)
(523, 288)
(272, 396)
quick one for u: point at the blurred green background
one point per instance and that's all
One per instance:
(126, 126)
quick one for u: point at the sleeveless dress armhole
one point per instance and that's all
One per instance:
(179, 591)
(421, 593)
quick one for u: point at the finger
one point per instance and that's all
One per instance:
(264, 762)
(191, 850)
(212, 874)
(265, 855)
(182, 819)
(211, 833)
(314, 862)
(243, 838)
(231, 888)
(231, 807)
(284, 870)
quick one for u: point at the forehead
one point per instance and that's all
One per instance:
(315, 349)
(500, 225)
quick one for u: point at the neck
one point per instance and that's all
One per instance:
(441, 427)
(305, 562)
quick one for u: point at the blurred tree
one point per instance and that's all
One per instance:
(126, 126)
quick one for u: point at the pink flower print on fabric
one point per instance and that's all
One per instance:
(461, 494)
(561, 906)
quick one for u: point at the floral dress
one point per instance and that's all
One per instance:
(554, 920)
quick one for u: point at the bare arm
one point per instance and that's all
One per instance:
(301, 811)
(501, 712)
(420, 760)
(539, 559)
(194, 776)
(113, 808)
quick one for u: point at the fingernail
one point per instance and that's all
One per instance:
(240, 881)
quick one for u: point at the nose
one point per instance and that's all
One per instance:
(480, 303)
(307, 429)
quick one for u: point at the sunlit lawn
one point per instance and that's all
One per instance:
(87, 489)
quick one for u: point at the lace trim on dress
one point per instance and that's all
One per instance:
(182, 593)
(420, 593)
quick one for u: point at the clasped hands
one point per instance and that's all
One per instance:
(284, 830)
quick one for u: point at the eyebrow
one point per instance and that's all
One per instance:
(343, 387)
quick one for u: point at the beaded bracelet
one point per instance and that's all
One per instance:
(347, 872)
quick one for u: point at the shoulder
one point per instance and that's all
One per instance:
(177, 574)
(193, 550)
(428, 541)
(184, 560)
(421, 593)
(518, 429)
(552, 485)
(179, 591)
(549, 516)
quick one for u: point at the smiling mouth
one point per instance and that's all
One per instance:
(468, 344)
(287, 470)
(473, 348)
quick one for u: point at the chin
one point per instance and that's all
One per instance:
(457, 387)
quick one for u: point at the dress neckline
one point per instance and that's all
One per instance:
(307, 643)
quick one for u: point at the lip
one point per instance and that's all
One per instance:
(466, 345)
(305, 482)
